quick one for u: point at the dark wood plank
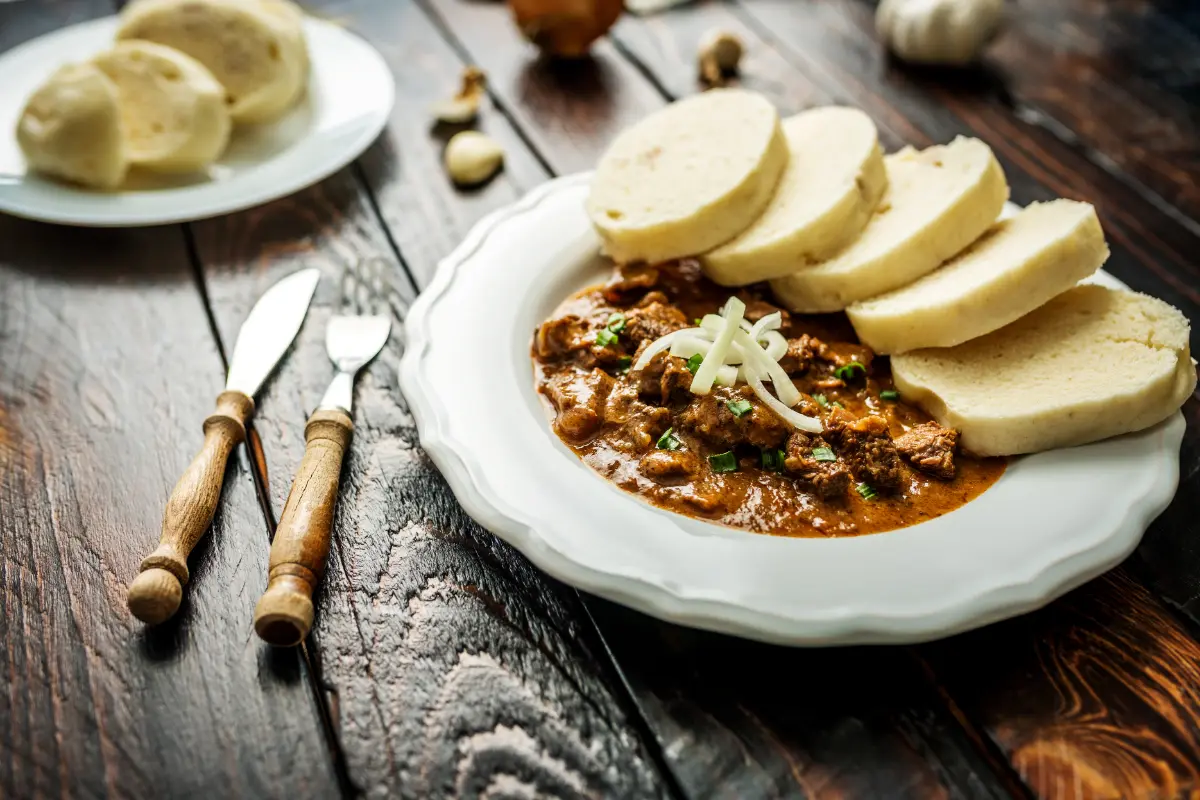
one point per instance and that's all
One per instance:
(690, 723)
(741, 719)
(1120, 78)
(1097, 696)
(107, 369)
(453, 667)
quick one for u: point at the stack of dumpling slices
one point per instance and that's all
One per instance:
(988, 326)
(166, 96)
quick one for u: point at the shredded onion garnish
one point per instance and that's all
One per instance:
(730, 350)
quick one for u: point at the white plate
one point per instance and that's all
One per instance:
(1053, 521)
(349, 99)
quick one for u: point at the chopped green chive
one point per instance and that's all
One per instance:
(694, 362)
(867, 492)
(740, 408)
(616, 322)
(822, 401)
(697, 320)
(723, 462)
(824, 454)
(605, 337)
(850, 371)
(889, 394)
(623, 365)
(669, 441)
(772, 459)
(837, 404)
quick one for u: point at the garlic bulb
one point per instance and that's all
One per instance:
(938, 31)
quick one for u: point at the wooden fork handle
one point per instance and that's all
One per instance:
(284, 614)
(155, 594)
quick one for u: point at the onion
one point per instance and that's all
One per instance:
(564, 28)
(702, 383)
(797, 420)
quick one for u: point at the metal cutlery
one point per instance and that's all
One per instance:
(284, 613)
(155, 594)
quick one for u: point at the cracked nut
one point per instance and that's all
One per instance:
(472, 158)
(463, 107)
(720, 53)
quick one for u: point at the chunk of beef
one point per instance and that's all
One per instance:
(669, 466)
(653, 297)
(930, 448)
(800, 354)
(559, 337)
(757, 308)
(580, 398)
(640, 424)
(840, 354)
(709, 418)
(867, 447)
(652, 322)
(663, 378)
(630, 282)
(827, 479)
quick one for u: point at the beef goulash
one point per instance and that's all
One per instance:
(848, 457)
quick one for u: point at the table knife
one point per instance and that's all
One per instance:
(284, 614)
(155, 594)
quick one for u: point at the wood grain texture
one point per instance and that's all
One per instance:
(453, 667)
(1121, 79)
(91, 703)
(300, 547)
(1096, 696)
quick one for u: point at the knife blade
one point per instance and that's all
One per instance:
(155, 594)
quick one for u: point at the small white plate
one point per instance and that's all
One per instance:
(349, 99)
(1053, 521)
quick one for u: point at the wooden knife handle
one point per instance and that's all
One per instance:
(154, 595)
(284, 613)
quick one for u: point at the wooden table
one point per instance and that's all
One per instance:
(442, 663)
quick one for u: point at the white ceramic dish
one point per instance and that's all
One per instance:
(350, 97)
(1053, 521)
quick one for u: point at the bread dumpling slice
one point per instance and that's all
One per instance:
(255, 53)
(689, 177)
(71, 128)
(833, 181)
(1019, 264)
(172, 108)
(1092, 363)
(938, 201)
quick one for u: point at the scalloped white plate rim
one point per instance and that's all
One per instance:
(742, 592)
(348, 103)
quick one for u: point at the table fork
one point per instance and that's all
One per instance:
(284, 613)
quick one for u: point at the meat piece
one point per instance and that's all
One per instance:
(653, 297)
(556, 338)
(839, 354)
(663, 378)
(800, 354)
(629, 282)
(580, 398)
(757, 308)
(827, 479)
(669, 466)
(930, 448)
(640, 424)
(709, 418)
(866, 446)
(652, 322)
